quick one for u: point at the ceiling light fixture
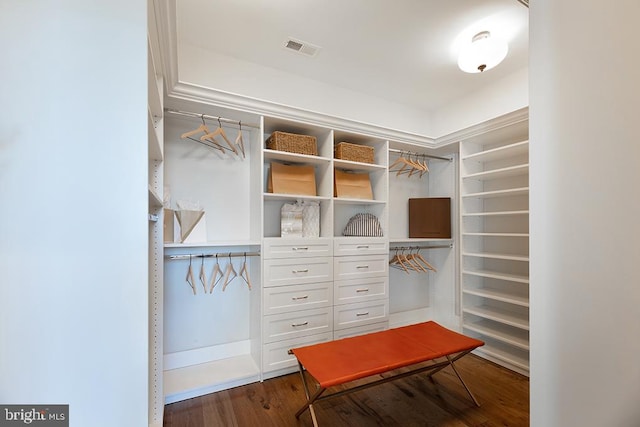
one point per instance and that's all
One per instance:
(483, 53)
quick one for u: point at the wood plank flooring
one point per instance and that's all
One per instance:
(412, 401)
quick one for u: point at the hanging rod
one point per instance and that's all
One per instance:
(412, 153)
(411, 248)
(209, 117)
(218, 255)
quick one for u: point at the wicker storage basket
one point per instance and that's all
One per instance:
(354, 152)
(293, 143)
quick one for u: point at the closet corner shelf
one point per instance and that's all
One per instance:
(490, 351)
(285, 156)
(499, 173)
(417, 240)
(498, 296)
(498, 275)
(346, 201)
(357, 166)
(292, 197)
(501, 333)
(493, 255)
(501, 213)
(498, 315)
(504, 152)
(213, 244)
(521, 191)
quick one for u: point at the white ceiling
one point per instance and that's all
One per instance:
(402, 50)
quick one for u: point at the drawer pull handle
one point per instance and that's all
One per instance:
(362, 266)
(362, 290)
(362, 314)
(298, 298)
(362, 247)
(306, 270)
(300, 249)
(295, 325)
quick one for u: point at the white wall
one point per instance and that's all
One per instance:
(509, 94)
(585, 213)
(73, 226)
(212, 70)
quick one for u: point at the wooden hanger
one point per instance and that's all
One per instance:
(190, 280)
(202, 276)
(239, 141)
(424, 261)
(228, 274)
(244, 272)
(201, 129)
(211, 137)
(398, 263)
(214, 275)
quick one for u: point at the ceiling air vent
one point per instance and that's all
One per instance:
(299, 46)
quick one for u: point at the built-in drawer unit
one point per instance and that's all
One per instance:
(281, 299)
(360, 313)
(297, 324)
(361, 330)
(276, 355)
(360, 246)
(279, 272)
(360, 267)
(297, 248)
(359, 290)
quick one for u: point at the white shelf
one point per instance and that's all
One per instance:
(204, 378)
(285, 156)
(498, 315)
(515, 337)
(357, 166)
(498, 275)
(507, 172)
(290, 197)
(155, 201)
(500, 213)
(417, 240)
(155, 148)
(498, 355)
(492, 255)
(497, 234)
(521, 191)
(498, 296)
(214, 244)
(345, 201)
(500, 153)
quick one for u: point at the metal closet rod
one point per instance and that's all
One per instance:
(209, 117)
(218, 255)
(412, 153)
(411, 248)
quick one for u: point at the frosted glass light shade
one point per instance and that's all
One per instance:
(483, 53)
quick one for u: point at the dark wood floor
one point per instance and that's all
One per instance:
(411, 401)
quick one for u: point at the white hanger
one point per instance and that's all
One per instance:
(202, 276)
(244, 272)
(190, 280)
(202, 128)
(239, 141)
(227, 274)
(211, 137)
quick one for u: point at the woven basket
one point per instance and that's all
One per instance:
(354, 152)
(293, 143)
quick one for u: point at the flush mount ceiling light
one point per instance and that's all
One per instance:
(483, 53)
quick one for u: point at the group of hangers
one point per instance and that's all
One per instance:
(412, 261)
(409, 166)
(209, 138)
(217, 275)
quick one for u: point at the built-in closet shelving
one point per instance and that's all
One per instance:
(494, 228)
(155, 137)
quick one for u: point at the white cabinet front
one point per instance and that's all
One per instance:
(276, 355)
(281, 299)
(361, 313)
(361, 246)
(354, 267)
(297, 324)
(278, 272)
(297, 248)
(358, 290)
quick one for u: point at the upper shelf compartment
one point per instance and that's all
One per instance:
(324, 139)
(500, 153)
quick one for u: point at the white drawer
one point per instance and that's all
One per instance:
(276, 355)
(278, 272)
(361, 330)
(280, 299)
(343, 246)
(296, 248)
(360, 313)
(358, 290)
(297, 324)
(360, 267)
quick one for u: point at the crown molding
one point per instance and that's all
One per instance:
(209, 96)
(518, 116)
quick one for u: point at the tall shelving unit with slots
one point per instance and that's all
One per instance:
(494, 225)
(155, 136)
